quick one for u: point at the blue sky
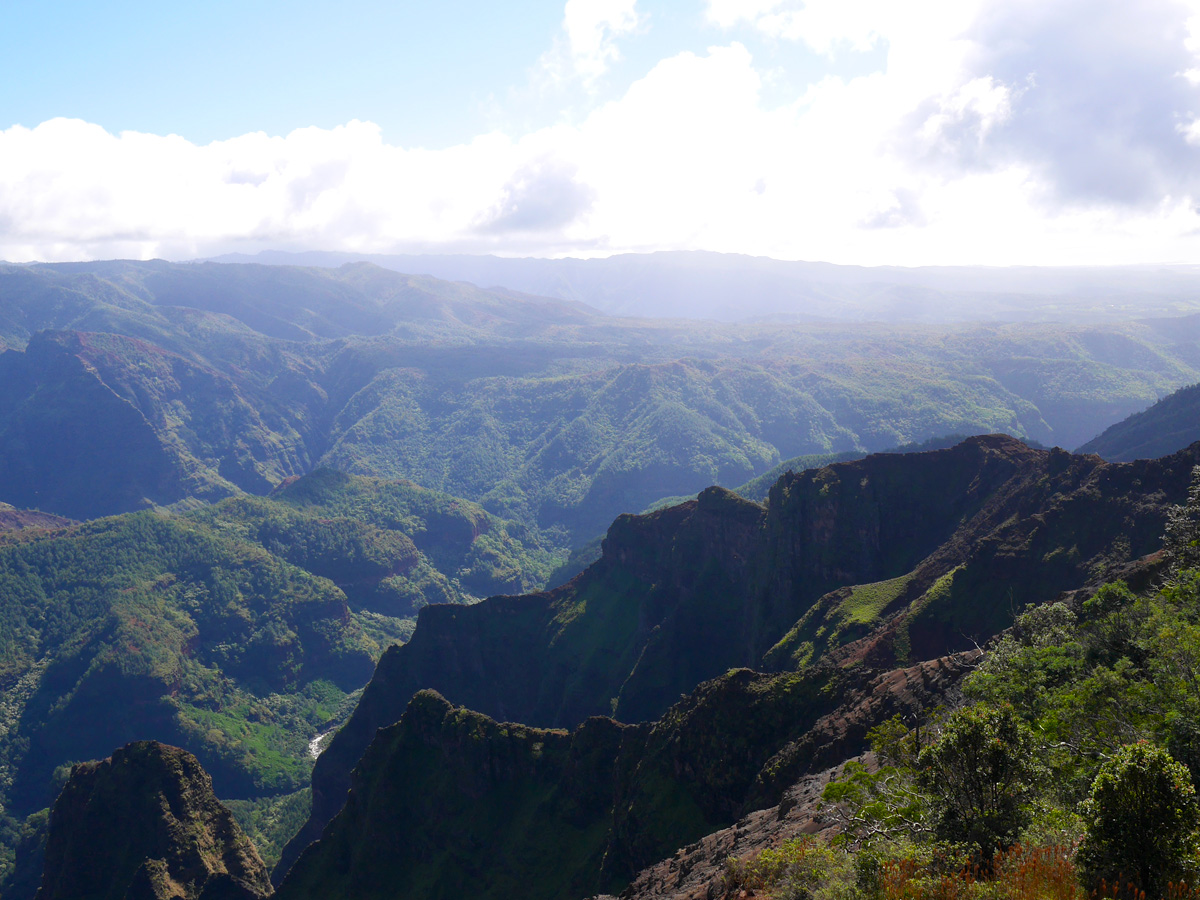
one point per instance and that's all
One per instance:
(423, 71)
(934, 131)
(429, 74)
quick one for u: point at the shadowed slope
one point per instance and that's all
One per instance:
(964, 537)
(145, 824)
(1166, 427)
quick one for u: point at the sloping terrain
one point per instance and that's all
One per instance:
(237, 631)
(13, 519)
(146, 626)
(888, 560)
(145, 824)
(448, 802)
(1169, 425)
(127, 385)
(391, 546)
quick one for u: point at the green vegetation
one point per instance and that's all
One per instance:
(1101, 697)
(238, 631)
(149, 623)
(980, 776)
(270, 822)
(200, 382)
(392, 547)
(1142, 822)
(837, 619)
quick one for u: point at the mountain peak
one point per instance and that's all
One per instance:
(146, 823)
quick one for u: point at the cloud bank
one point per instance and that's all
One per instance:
(1056, 131)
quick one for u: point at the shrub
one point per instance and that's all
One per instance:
(980, 777)
(1142, 822)
(799, 869)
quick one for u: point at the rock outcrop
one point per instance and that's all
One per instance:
(145, 825)
(13, 519)
(448, 802)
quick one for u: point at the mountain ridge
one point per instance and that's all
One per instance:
(539, 410)
(737, 287)
(684, 593)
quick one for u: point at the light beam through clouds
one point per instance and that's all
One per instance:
(1001, 131)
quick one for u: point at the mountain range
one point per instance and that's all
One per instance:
(859, 591)
(229, 493)
(127, 385)
(731, 287)
(881, 563)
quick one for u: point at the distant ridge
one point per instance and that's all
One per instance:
(733, 287)
(1169, 425)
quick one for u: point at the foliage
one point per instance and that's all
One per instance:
(147, 623)
(885, 804)
(980, 775)
(1181, 542)
(1107, 688)
(799, 869)
(270, 822)
(1142, 821)
(807, 869)
(391, 547)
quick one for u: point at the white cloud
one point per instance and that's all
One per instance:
(592, 27)
(728, 13)
(587, 46)
(991, 137)
(831, 25)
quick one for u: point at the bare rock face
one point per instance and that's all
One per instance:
(697, 871)
(13, 519)
(145, 825)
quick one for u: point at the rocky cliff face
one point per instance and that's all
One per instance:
(13, 519)
(889, 560)
(450, 803)
(553, 659)
(145, 824)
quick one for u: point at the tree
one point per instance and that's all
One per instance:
(1142, 821)
(980, 775)
(1181, 541)
(885, 803)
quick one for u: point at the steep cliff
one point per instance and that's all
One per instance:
(450, 803)
(887, 560)
(145, 824)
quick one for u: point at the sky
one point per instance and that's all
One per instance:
(924, 132)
